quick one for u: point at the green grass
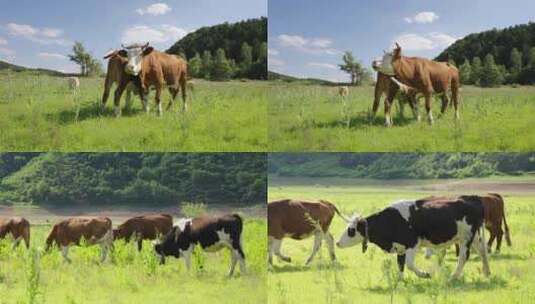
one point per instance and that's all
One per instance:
(370, 277)
(314, 118)
(130, 277)
(39, 113)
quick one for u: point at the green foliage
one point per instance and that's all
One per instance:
(354, 68)
(151, 179)
(491, 75)
(465, 72)
(230, 38)
(89, 66)
(221, 69)
(503, 45)
(192, 209)
(195, 66)
(477, 70)
(415, 165)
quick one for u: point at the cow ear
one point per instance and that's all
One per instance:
(122, 53)
(147, 50)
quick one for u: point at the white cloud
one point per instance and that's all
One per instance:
(154, 9)
(322, 65)
(273, 52)
(143, 33)
(422, 17)
(6, 51)
(274, 62)
(43, 36)
(51, 55)
(3, 41)
(307, 45)
(430, 41)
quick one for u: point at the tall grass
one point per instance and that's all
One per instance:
(314, 118)
(39, 112)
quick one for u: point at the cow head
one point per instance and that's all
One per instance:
(385, 64)
(355, 232)
(135, 54)
(171, 244)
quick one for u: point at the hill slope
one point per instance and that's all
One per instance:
(17, 68)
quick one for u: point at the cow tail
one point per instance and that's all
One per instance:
(52, 236)
(26, 234)
(240, 222)
(507, 235)
(345, 218)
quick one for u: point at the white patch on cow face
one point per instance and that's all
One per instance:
(403, 207)
(384, 65)
(351, 236)
(135, 56)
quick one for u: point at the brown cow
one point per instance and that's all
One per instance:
(116, 74)
(424, 75)
(19, 228)
(298, 220)
(96, 230)
(156, 69)
(145, 227)
(404, 94)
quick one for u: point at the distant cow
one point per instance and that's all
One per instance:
(74, 83)
(343, 91)
(156, 69)
(299, 219)
(212, 233)
(424, 76)
(18, 227)
(409, 224)
(69, 232)
(116, 74)
(145, 227)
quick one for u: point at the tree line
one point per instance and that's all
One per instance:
(401, 165)
(65, 179)
(225, 51)
(495, 57)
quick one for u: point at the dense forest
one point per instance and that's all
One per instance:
(401, 165)
(225, 51)
(66, 179)
(495, 57)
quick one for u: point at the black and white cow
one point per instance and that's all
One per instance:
(212, 233)
(409, 224)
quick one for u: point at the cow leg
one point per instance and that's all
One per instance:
(480, 242)
(237, 251)
(410, 256)
(376, 99)
(117, 100)
(491, 239)
(103, 252)
(499, 237)
(233, 261)
(413, 103)
(427, 97)
(128, 104)
(158, 99)
(16, 242)
(26, 236)
(401, 265)
(464, 250)
(183, 84)
(139, 244)
(317, 245)
(388, 110)
(270, 251)
(277, 250)
(173, 92)
(455, 96)
(445, 102)
(65, 253)
(107, 86)
(187, 258)
(330, 245)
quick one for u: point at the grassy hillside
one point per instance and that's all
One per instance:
(316, 118)
(4, 66)
(39, 113)
(82, 179)
(285, 78)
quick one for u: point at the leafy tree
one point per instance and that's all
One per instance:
(221, 66)
(195, 66)
(88, 64)
(206, 64)
(515, 61)
(477, 68)
(465, 72)
(491, 75)
(354, 68)
(246, 58)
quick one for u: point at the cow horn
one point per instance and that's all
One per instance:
(145, 45)
(123, 46)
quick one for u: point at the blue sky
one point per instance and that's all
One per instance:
(307, 37)
(41, 33)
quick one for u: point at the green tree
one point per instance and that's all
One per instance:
(531, 57)
(94, 67)
(246, 59)
(465, 71)
(475, 74)
(195, 66)
(354, 68)
(81, 57)
(206, 64)
(491, 75)
(221, 66)
(515, 61)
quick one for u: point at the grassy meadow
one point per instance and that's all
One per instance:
(371, 277)
(314, 118)
(31, 276)
(40, 113)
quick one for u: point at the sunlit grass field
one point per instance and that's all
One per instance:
(40, 113)
(31, 276)
(315, 118)
(371, 277)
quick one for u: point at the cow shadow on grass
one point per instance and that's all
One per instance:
(87, 111)
(422, 286)
(289, 268)
(362, 120)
